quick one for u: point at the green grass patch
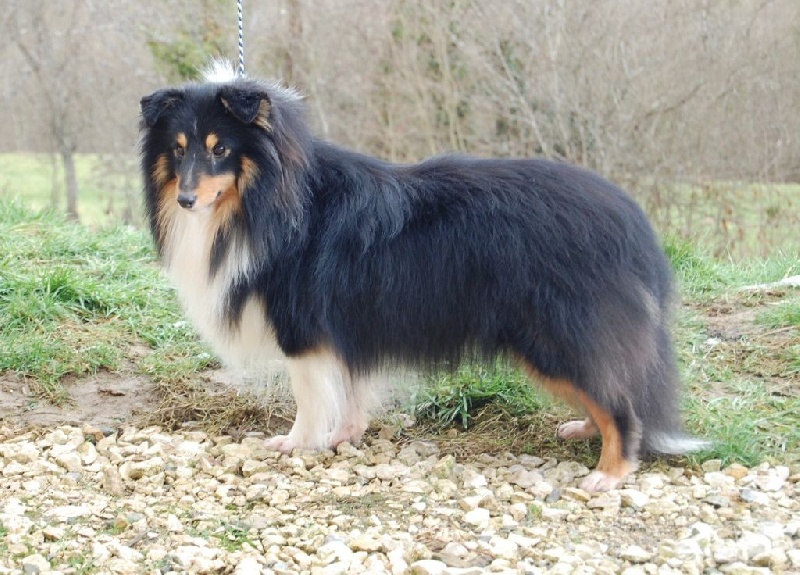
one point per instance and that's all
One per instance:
(782, 315)
(74, 300)
(453, 398)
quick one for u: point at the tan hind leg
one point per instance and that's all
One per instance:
(614, 466)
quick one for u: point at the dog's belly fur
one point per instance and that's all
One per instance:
(248, 346)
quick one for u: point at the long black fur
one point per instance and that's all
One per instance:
(421, 264)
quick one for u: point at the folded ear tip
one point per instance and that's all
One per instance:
(155, 104)
(246, 103)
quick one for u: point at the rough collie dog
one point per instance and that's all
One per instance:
(348, 264)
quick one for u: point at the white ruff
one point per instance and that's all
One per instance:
(249, 346)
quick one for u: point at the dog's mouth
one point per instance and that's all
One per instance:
(208, 191)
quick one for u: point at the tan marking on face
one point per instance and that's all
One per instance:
(161, 172)
(248, 176)
(181, 140)
(210, 188)
(211, 141)
(227, 205)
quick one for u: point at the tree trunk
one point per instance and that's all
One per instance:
(71, 180)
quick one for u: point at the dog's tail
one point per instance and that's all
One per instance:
(674, 443)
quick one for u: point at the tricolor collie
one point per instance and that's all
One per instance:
(348, 264)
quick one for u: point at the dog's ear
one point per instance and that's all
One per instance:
(247, 104)
(155, 104)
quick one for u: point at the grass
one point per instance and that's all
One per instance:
(75, 300)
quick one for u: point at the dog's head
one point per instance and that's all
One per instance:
(204, 138)
(235, 148)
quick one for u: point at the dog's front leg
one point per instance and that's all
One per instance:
(320, 384)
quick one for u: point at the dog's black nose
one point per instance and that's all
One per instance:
(186, 200)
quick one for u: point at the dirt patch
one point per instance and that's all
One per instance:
(103, 400)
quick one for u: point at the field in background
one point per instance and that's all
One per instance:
(109, 185)
(729, 220)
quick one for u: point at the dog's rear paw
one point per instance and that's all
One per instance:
(351, 434)
(282, 443)
(578, 429)
(598, 481)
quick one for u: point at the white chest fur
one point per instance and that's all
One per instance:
(247, 346)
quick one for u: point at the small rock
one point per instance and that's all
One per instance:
(737, 471)
(174, 524)
(753, 544)
(35, 564)
(477, 517)
(14, 507)
(717, 501)
(633, 498)
(744, 569)
(718, 479)
(417, 486)
(608, 500)
(774, 480)
(70, 461)
(427, 567)
(518, 511)
(347, 450)
(712, 465)
(504, 548)
(112, 481)
(365, 543)
(425, 449)
(53, 533)
(725, 551)
(474, 480)
(635, 554)
(335, 550)
(67, 513)
(576, 494)
(252, 466)
(525, 478)
(752, 496)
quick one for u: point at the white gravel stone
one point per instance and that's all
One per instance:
(477, 517)
(189, 503)
(427, 567)
(635, 554)
(35, 563)
(68, 512)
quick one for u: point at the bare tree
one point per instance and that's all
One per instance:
(74, 77)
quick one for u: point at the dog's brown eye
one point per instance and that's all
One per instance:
(218, 150)
(179, 151)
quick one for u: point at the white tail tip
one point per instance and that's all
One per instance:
(676, 445)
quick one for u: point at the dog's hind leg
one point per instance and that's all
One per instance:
(618, 426)
(320, 384)
(578, 429)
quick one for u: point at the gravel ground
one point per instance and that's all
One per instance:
(76, 500)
